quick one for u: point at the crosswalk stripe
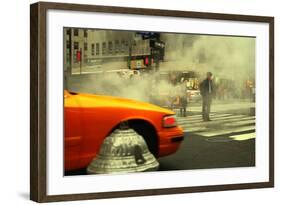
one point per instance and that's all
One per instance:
(228, 122)
(194, 129)
(237, 123)
(243, 136)
(226, 131)
(194, 117)
(214, 119)
(202, 128)
(221, 124)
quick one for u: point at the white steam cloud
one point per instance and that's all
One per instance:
(226, 57)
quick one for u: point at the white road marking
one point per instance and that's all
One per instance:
(228, 123)
(216, 121)
(226, 131)
(220, 125)
(244, 136)
(193, 117)
(199, 117)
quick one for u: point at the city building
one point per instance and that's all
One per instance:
(93, 47)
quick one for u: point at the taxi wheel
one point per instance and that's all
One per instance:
(147, 131)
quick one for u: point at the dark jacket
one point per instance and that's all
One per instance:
(204, 87)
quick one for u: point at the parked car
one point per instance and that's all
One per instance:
(193, 95)
(89, 119)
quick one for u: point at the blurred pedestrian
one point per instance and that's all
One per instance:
(207, 92)
(179, 98)
(183, 98)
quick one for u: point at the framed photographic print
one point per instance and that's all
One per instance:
(134, 102)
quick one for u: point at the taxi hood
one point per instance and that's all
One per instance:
(73, 99)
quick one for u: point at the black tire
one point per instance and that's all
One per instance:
(147, 131)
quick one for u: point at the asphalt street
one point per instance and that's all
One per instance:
(226, 141)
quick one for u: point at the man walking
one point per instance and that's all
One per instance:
(206, 91)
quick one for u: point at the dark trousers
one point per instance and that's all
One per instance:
(183, 111)
(206, 106)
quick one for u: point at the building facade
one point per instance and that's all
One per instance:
(90, 47)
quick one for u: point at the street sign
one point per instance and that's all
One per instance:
(156, 44)
(148, 35)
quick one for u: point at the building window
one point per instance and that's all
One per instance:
(93, 49)
(97, 49)
(103, 48)
(76, 32)
(117, 47)
(110, 47)
(68, 31)
(76, 45)
(85, 46)
(122, 49)
(85, 33)
(68, 44)
(126, 47)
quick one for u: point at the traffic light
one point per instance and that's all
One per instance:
(146, 61)
(78, 55)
